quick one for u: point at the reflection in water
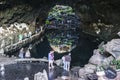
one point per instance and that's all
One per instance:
(21, 70)
(28, 67)
(65, 75)
(2, 75)
(51, 74)
(58, 72)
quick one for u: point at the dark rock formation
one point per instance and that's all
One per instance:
(93, 10)
(89, 11)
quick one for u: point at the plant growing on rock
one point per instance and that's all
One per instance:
(62, 23)
(115, 63)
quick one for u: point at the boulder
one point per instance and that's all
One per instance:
(90, 66)
(88, 70)
(95, 52)
(118, 33)
(107, 60)
(96, 59)
(100, 60)
(75, 71)
(41, 75)
(113, 47)
(82, 72)
(26, 78)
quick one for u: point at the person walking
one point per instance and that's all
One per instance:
(51, 59)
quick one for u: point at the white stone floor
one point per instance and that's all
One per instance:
(6, 60)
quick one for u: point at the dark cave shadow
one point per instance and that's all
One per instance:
(80, 54)
(42, 49)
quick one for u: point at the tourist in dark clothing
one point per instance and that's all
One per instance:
(68, 60)
(51, 74)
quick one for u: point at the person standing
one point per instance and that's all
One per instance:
(64, 63)
(51, 59)
(27, 54)
(21, 53)
(68, 60)
(20, 37)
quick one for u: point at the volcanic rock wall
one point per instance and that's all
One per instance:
(91, 12)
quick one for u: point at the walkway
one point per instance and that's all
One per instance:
(31, 60)
(16, 46)
(7, 60)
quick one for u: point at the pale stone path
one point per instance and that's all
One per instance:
(7, 60)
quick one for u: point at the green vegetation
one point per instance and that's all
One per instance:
(58, 41)
(58, 17)
(100, 68)
(59, 9)
(101, 50)
(115, 64)
(47, 22)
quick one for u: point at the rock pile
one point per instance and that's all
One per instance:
(105, 56)
(113, 48)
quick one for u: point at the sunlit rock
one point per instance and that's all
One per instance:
(90, 66)
(41, 75)
(118, 33)
(113, 48)
(82, 72)
(24, 25)
(26, 78)
(97, 58)
(100, 59)
(21, 26)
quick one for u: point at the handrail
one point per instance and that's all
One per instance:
(19, 44)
